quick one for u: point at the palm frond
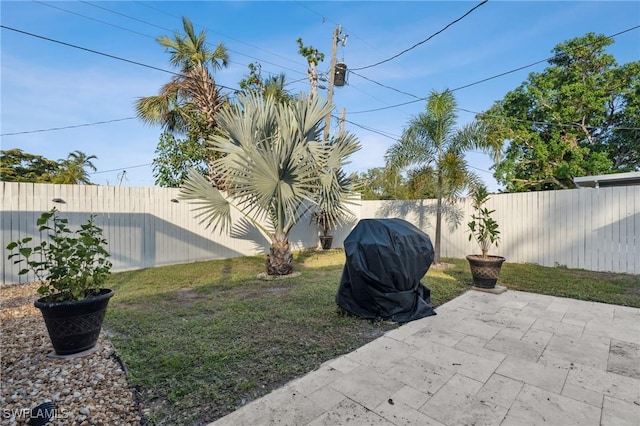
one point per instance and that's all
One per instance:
(213, 208)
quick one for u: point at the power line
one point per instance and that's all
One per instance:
(535, 63)
(482, 170)
(388, 107)
(68, 127)
(155, 26)
(151, 24)
(371, 96)
(324, 18)
(107, 55)
(547, 123)
(145, 4)
(122, 168)
(425, 40)
(484, 79)
(93, 19)
(87, 50)
(371, 129)
(385, 86)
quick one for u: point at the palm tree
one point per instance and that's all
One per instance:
(191, 93)
(275, 168)
(73, 169)
(432, 145)
(274, 85)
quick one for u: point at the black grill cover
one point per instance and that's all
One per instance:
(386, 258)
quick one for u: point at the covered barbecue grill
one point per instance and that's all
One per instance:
(385, 260)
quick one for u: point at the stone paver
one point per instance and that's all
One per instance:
(510, 359)
(535, 406)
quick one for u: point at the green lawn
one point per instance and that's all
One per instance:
(201, 339)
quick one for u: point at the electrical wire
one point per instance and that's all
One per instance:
(484, 79)
(155, 26)
(107, 55)
(93, 19)
(425, 40)
(372, 130)
(122, 168)
(324, 18)
(145, 4)
(546, 123)
(385, 86)
(68, 127)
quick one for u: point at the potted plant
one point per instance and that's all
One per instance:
(484, 229)
(71, 268)
(330, 210)
(323, 220)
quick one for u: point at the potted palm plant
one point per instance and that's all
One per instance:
(485, 230)
(322, 220)
(71, 268)
(331, 209)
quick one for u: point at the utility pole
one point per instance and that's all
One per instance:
(332, 75)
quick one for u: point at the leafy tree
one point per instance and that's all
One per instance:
(432, 149)
(174, 158)
(275, 168)
(269, 86)
(381, 183)
(190, 101)
(313, 57)
(19, 166)
(577, 117)
(73, 170)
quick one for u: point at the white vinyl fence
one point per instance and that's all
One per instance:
(596, 229)
(590, 228)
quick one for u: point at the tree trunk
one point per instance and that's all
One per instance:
(280, 259)
(436, 249)
(312, 73)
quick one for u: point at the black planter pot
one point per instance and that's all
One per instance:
(74, 326)
(485, 271)
(326, 242)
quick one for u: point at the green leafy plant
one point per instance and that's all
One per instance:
(483, 228)
(69, 265)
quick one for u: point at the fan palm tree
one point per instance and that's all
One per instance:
(73, 170)
(432, 144)
(275, 168)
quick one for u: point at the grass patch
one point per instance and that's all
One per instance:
(201, 339)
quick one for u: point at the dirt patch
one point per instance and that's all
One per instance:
(442, 266)
(258, 292)
(263, 276)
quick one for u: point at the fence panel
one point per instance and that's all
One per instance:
(590, 228)
(596, 229)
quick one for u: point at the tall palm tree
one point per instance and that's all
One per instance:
(191, 93)
(73, 170)
(275, 168)
(193, 88)
(432, 144)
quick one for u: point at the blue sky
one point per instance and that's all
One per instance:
(47, 85)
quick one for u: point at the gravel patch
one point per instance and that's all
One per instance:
(87, 391)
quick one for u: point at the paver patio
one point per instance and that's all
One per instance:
(510, 359)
